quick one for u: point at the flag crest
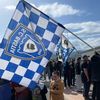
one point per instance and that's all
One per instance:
(24, 44)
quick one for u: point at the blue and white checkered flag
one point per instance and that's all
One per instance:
(28, 44)
(58, 46)
(66, 48)
(66, 53)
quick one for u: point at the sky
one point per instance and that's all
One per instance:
(82, 17)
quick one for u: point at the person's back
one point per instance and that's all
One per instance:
(86, 77)
(78, 74)
(86, 65)
(78, 68)
(66, 67)
(59, 67)
(49, 69)
(59, 64)
(67, 74)
(73, 67)
(95, 76)
(95, 68)
(73, 73)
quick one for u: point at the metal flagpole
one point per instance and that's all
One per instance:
(69, 31)
(80, 39)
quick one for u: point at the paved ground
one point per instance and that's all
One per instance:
(71, 94)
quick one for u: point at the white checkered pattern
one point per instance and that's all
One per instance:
(27, 73)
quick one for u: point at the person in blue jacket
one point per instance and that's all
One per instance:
(5, 90)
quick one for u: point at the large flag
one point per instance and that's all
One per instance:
(57, 49)
(66, 48)
(28, 44)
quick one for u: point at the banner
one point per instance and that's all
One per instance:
(28, 44)
(66, 48)
(65, 42)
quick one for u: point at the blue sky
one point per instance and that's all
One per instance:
(80, 16)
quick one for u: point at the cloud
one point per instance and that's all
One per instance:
(10, 7)
(94, 42)
(8, 4)
(85, 27)
(54, 10)
(88, 31)
(58, 10)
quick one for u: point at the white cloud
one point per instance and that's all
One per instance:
(94, 42)
(88, 31)
(10, 7)
(55, 9)
(8, 4)
(58, 10)
(85, 27)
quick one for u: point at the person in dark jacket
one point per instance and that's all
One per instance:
(73, 72)
(5, 90)
(44, 92)
(67, 74)
(78, 75)
(59, 67)
(95, 76)
(86, 77)
(49, 69)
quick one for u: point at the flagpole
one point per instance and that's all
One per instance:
(80, 39)
(67, 29)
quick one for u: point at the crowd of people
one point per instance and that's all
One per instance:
(80, 73)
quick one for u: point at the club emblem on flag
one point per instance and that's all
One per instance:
(24, 44)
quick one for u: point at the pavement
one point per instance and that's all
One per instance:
(70, 94)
